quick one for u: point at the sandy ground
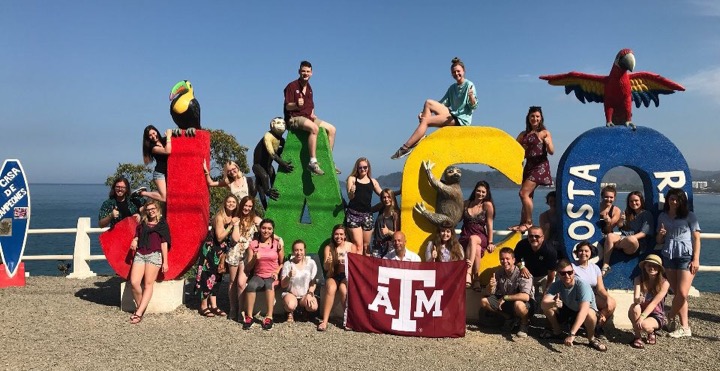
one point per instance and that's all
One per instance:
(59, 323)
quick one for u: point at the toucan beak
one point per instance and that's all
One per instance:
(627, 62)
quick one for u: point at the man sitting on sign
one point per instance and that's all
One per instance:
(509, 294)
(400, 252)
(536, 260)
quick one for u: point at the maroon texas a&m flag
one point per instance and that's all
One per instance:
(405, 298)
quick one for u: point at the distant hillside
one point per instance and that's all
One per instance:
(625, 178)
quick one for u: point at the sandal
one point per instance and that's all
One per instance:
(596, 344)
(135, 319)
(218, 311)
(605, 270)
(207, 312)
(322, 327)
(637, 343)
(651, 339)
(290, 318)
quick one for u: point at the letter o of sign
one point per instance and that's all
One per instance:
(582, 167)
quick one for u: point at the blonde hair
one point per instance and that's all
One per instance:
(156, 203)
(226, 170)
(354, 171)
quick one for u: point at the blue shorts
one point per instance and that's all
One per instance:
(681, 263)
(158, 176)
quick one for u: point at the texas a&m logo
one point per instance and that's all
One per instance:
(403, 315)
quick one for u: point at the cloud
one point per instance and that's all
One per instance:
(705, 82)
(708, 8)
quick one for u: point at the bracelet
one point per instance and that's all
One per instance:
(505, 297)
(643, 315)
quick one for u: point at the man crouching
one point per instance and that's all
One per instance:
(570, 301)
(509, 294)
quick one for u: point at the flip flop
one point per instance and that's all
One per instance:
(651, 339)
(322, 327)
(218, 311)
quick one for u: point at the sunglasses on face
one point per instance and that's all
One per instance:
(149, 210)
(566, 273)
(535, 236)
(362, 167)
(120, 187)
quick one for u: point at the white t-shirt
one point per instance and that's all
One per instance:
(300, 282)
(588, 274)
(409, 256)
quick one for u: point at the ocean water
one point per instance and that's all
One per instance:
(60, 206)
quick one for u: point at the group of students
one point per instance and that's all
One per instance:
(246, 248)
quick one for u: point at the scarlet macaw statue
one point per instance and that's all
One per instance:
(618, 90)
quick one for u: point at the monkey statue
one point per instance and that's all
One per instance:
(449, 204)
(269, 149)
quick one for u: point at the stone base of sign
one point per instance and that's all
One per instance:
(167, 296)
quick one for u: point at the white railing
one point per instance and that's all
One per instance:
(81, 252)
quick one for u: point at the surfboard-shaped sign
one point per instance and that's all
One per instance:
(14, 214)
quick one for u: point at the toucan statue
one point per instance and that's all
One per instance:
(184, 108)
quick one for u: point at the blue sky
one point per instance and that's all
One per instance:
(81, 79)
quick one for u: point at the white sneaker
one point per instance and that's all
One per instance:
(681, 332)
(522, 332)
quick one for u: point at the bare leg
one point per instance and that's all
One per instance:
(233, 291)
(434, 114)
(241, 284)
(606, 305)
(330, 132)
(522, 311)
(290, 303)
(161, 194)
(366, 235)
(551, 314)
(249, 303)
(328, 300)
(679, 307)
(357, 237)
(310, 304)
(270, 302)
(608, 246)
(136, 274)
(151, 273)
(527, 191)
(312, 128)
(590, 324)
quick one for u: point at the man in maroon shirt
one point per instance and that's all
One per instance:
(299, 110)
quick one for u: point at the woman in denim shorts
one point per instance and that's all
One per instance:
(358, 214)
(679, 233)
(151, 244)
(156, 148)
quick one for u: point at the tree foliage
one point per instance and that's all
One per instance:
(223, 148)
(137, 174)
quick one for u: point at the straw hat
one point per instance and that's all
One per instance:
(654, 259)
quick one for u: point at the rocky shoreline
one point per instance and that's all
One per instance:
(59, 323)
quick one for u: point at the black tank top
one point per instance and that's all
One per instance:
(161, 160)
(363, 197)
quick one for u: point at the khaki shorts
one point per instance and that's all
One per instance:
(297, 121)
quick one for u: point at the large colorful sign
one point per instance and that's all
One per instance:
(449, 146)
(14, 214)
(582, 167)
(404, 298)
(308, 206)
(187, 211)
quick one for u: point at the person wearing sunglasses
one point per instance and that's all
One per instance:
(119, 204)
(536, 260)
(358, 214)
(569, 300)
